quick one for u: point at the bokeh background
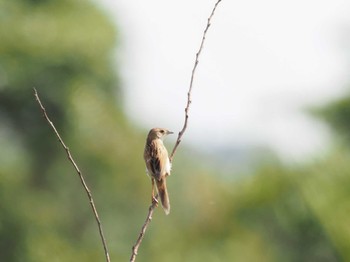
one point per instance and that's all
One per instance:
(232, 199)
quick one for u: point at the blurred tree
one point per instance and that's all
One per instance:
(57, 47)
(337, 115)
(64, 48)
(327, 185)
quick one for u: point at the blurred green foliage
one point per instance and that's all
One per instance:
(64, 49)
(337, 114)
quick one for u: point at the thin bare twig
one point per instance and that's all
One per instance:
(154, 203)
(82, 180)
(135, 248)
(178, 141)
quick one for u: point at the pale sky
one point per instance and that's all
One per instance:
(263, 63)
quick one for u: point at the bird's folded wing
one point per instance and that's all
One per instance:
(159, 157)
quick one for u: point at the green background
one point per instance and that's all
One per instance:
(273, 212)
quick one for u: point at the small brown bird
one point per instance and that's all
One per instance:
(158, 164)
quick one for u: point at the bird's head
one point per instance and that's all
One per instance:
(157, 132)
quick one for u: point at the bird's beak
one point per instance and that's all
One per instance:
(169, 132)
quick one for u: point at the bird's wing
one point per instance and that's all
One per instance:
(158, 159)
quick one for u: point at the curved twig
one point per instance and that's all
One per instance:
(189, 101)
(82, 180)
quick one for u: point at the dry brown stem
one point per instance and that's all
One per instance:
(189, 101)
(82, 180)
(135, 248)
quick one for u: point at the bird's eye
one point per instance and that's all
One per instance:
(162, 131)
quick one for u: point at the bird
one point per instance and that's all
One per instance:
(158, 164)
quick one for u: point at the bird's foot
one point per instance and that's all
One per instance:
(155, 201)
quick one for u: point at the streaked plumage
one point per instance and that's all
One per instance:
(158, 164)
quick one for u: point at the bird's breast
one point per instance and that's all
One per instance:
(168, 166)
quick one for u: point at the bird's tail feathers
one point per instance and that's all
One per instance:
(163, 194)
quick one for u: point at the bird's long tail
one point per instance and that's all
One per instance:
(163, 194)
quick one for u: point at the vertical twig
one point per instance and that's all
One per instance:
(154, 204)
(178, 141)
(82, 180)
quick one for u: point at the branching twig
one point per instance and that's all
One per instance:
(178, 141)
(88, 192)
(154, 204)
